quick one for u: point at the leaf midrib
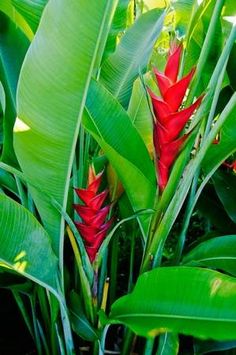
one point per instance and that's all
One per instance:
(116, 93)
(175, 316)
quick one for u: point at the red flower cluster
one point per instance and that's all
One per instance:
(231, 166)
(94, 227)
(169, 119)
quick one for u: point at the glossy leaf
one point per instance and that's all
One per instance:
(131, 57)
(217, 153)
(191, 301)
(8, 9)
(121, 142)
(13, 47)
(25, 246)
(80, 323)
(210, 346)
(118, 25)
(31, 10)
(51, 96)
(211, 208)
(225, 186)
(218, 253)
(140, 114)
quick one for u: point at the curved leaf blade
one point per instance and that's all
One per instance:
(191, 301)
(51, 95)
(122, 145)
(31, 10)
(13, 47)
(218, 253)
(131, 57)
(25, 245)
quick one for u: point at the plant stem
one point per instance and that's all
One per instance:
(149, 346)
(114, 268)
(192, 197)
(206, 48)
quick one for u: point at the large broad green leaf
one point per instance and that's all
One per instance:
(13, 46)
(225, 186)
(51, 96)
(218, 253)
(192, 301)
(110, 125)
(25, 245)
(31, 10)
(132, 55)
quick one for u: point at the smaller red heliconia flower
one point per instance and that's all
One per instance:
(94, 226)
(170, 119)
(231, 166)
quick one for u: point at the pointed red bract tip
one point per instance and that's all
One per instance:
(173, 62)
(175, 94)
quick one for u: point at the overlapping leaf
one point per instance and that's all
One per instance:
(122, 144)
(192, 301)
(51, 96)
(131, 57)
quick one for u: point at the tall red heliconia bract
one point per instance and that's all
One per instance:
(94, 226)
(170, 119)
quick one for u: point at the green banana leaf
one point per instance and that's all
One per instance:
(186, 300)
(122, 145)
(140, 113)
(218, 253)
(25, 245)
(13, 47)
(131, 57)
(51, 95)
(31, 10)
(6, 6)
(118, 25)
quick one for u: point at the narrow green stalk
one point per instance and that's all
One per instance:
(189, 208)
(23, 197)
(81, 157)
(86, 154)
(85, 286)
(186, 219)
(206, 48)
(60, 341)
(214, 103)
(31, 206)
(44, 341)
(103, 340)
(24, 312)
(129, 339)
(36, 331)
(102, 276)
(131, 264)
(67, 330)
(149, 346)
(43, 302)
(113, 268)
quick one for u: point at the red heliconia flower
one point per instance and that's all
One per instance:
(231, 166)
(94, 226)
(170, 119)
